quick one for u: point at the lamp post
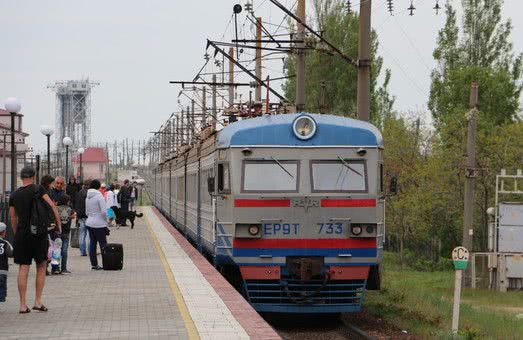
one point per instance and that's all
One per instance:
(47, 131)
(80, 153)
(67, 141)
(13, 106)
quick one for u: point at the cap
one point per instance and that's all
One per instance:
(103, 185)
(3, 227)
(27, 172)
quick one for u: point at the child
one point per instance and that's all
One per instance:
(56, 256)
(66, 215)
(6, 250)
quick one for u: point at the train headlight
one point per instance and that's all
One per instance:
(304, 127)
(254, 230)
(356, 230)
(370, 229)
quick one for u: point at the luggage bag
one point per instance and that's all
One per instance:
(112, 256)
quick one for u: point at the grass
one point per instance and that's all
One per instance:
(421, 303)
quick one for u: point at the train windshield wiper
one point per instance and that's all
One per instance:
(282, 167)
(348, 166)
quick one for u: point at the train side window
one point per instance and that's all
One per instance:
(223, 178)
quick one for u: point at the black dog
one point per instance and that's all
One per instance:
(131, 216)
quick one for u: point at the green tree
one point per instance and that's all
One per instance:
(339, 77)
(479, 50)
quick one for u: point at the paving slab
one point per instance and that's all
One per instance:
(135, 303)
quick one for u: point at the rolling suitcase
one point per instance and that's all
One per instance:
(112, 256)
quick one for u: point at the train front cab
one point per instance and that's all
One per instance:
(305, 216)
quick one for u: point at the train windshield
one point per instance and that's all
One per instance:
(270, 176)
(339, 176)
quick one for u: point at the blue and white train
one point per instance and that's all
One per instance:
(289, 207)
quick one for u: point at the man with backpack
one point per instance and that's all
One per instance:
(28, 209)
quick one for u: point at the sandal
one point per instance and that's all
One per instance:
(42, 308)
(27, 310)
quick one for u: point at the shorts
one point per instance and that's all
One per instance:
(28, 247)
(3, 287)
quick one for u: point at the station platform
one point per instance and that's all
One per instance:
(166, 290)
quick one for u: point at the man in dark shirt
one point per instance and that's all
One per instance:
(58, 189)
(26, 245)
(124, 198)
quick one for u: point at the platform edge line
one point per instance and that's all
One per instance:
(178, 296)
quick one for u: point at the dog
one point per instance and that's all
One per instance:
(132, 215)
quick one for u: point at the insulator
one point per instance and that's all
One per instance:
(390, 6)
(437, 7)
(411, 8)
(249, 7)
(206, 56)
(217, 63)
(349, 7)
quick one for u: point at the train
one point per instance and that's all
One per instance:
(288, 207)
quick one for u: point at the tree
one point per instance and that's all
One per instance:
(339, 77)
(480, 50)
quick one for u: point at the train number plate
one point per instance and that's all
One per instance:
(330, 228)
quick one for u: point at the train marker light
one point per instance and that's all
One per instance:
(304, 127)
(356, 230)
(254, 230)
(370, 229)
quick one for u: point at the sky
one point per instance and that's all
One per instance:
(134, 47)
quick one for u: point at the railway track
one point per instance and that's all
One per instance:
(317, 327)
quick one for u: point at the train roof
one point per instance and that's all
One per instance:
(276, 130)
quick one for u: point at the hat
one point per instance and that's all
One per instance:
(103, 185)
(3, 227)
(27, 172)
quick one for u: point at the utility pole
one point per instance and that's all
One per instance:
(231, 76)
(204, 104)
(470, 173)
(300, 58)
(177, 131)
(323, 86)
(182, 135)
(192, 121)
(214, 110)
(363, 99)
(258, 93)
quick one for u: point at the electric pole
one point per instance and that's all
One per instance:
(363, 101)
(231, 76)
(214, 117)
(470, 173)
(258, 93)
(192, 121)
(204, 104)
(300, 58)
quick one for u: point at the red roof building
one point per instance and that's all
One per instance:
(94, 163)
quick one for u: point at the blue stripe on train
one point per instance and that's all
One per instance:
(277, 252)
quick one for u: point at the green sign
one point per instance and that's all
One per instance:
(460, 258)
(460, 264)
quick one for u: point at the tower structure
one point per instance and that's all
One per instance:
(73, 111)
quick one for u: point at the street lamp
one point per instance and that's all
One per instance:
(47, 131)
(67, 141)
(13, 106)
(80, 153)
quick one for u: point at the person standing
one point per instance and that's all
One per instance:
(57, 189)
(95, 208)
(112, 204)
(66, 215)
(6, 250)
(73, 187)
(134, 197)
(124, 199)
(27, 246)
(79, 207)
(57, 195)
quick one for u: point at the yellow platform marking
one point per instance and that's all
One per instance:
(184, 311)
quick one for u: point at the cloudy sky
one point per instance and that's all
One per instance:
(133, 48)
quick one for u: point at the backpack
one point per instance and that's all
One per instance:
(40, 219)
